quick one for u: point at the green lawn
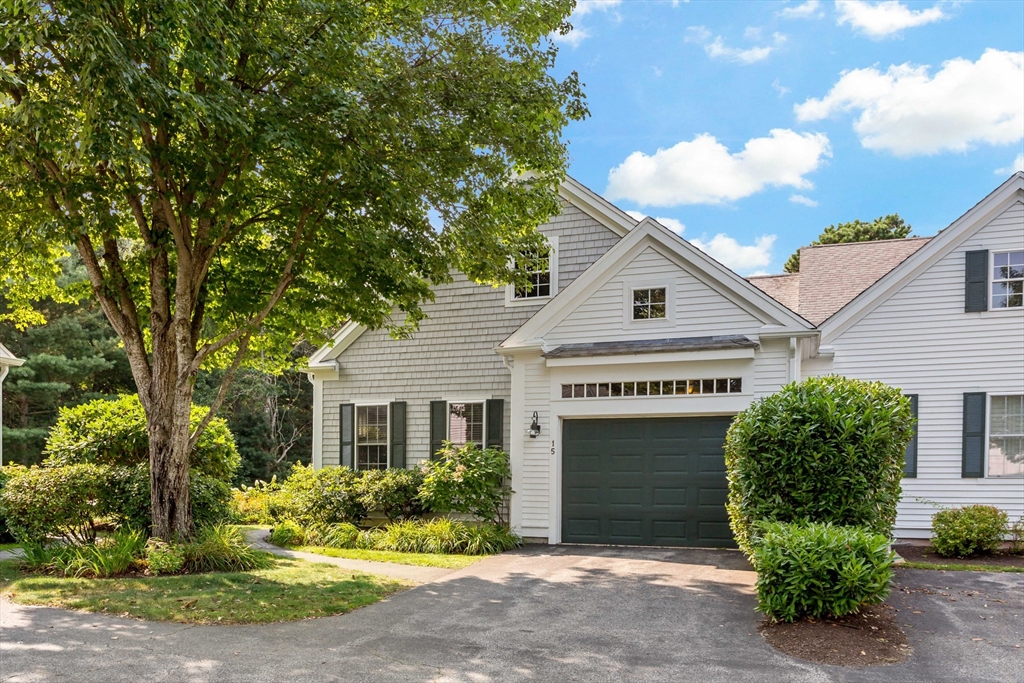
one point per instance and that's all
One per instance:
(286, 591)
(419, 559)
(954, 567)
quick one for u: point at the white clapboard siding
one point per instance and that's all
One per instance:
(921, 340)
(452, 354)
(699, 309)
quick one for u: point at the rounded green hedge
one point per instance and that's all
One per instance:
(966, 531)
(828, 449)
(114, 433)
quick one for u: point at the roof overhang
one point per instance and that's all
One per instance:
(8, 359)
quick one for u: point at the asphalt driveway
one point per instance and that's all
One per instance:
(539, 614)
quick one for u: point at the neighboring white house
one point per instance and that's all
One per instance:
(613, 380)
(7, 361)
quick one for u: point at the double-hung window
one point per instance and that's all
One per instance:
(466, 423)
(1006, 436)
(1008, 279)
(536, 266)
(372, 437)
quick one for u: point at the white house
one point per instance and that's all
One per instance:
(612, 381)
(7, 361)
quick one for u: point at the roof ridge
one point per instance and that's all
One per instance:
(846, 244)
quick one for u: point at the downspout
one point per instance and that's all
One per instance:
(794, 361)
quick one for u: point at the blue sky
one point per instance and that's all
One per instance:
(757, 124)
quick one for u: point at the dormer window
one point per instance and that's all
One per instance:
(649, 303)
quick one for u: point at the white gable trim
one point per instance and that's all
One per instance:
(649, 233)
(596, 206)
(1003, 197)
(324, 358)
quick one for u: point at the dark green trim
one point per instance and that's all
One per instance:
(973, 464)
(910, 457)
(398, 434)
(494, 413)
(976, 281)
(348, 432)
(438, 426)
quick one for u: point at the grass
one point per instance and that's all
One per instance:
(953, 567)
(288, 590)
(418, 559)
(9, 546)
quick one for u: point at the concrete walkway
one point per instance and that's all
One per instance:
(404, 572)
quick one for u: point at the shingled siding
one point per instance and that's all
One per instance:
(921, 340)
(452, 355)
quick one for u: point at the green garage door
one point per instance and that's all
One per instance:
(645, 481)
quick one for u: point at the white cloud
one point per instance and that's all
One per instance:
(583, 7)
(717, 49)
(740, 258)
(673, 224)
(800, 199)
(703, 171)
(884, 19)
(1017, 165)
(779, 88)
(803, 11)
(908, 112)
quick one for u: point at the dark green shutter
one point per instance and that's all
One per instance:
(438, 426)
(348, 431)
(910, 457)
(495, 423)
(976, 281)
(974, 435)
(398, 434)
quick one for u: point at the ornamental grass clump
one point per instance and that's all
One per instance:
(819, 570)
(970, 530)
(828, 449)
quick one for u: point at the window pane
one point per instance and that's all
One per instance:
(641, 312)
(708, 386)
(641, 296)
(1006, 456)
(466, 423)
(602, 389)
(1000, 259)
(591, 390)
(566, 391)
(616, 389)
(735, 386)
(658, 295)
(654, 389)
(537, 267)
(657, 311)
(641, 388)
(371, 437)
(680, 386)
(577, 391)
(721, 386)
(628, 389)
(694, 387)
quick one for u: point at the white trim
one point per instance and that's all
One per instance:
(630, 286)
(344, 338)
(999, 200)
(596, 206)
(671, 357)
(988, 436)
(318, 421)
(649, 233)
(9, 359)
(510, 290)
(355, 431)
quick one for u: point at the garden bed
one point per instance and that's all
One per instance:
(925, 557)
(872, 637)
(287, 590)
(394, 557)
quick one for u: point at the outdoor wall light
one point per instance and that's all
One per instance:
(534, 430)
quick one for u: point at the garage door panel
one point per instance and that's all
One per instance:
(645, 481)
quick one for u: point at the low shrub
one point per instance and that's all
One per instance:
(106, 432)
(342, 535)
(5, 534)
(164, 558)
(1017, 537)
(961, 532)
(470, 480)
(110, 556)
(222, 548)
(828, 449)
(287, 533)
(254, 504)
(819, 570)
(443, 536)
(43, 502)
(392, 492)
(315, 497)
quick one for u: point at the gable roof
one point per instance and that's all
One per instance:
(9, 359)
(650, 233)
(570, 190)
(832, 275)
(1007, 194)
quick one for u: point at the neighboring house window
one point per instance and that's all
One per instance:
(466, 423)
(536, 266)
(649, 303)
(1006, 436)
(1008, 279)
(372, 437)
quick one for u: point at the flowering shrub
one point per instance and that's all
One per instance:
(470, 480)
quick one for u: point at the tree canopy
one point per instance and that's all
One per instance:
(890, 227)
(236, 175)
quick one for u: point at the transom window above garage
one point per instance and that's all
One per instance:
(1008, 279)
(649, 303)
(667, 387)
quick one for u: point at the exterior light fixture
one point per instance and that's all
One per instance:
(534, 430)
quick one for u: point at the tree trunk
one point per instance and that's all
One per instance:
(168, 428)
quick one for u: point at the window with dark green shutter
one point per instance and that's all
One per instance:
(398, 434)
(973, 465)
(348, 420)
(976, 281)
(438, 426)
(910, 457)
(495, 423)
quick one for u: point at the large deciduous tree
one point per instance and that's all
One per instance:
(237, 174)
(890, 227)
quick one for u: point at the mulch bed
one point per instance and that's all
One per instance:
(871, 638)
(926, 553)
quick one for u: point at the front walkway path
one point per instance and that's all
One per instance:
(405, 572)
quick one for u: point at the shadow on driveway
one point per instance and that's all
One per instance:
(568, 613)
